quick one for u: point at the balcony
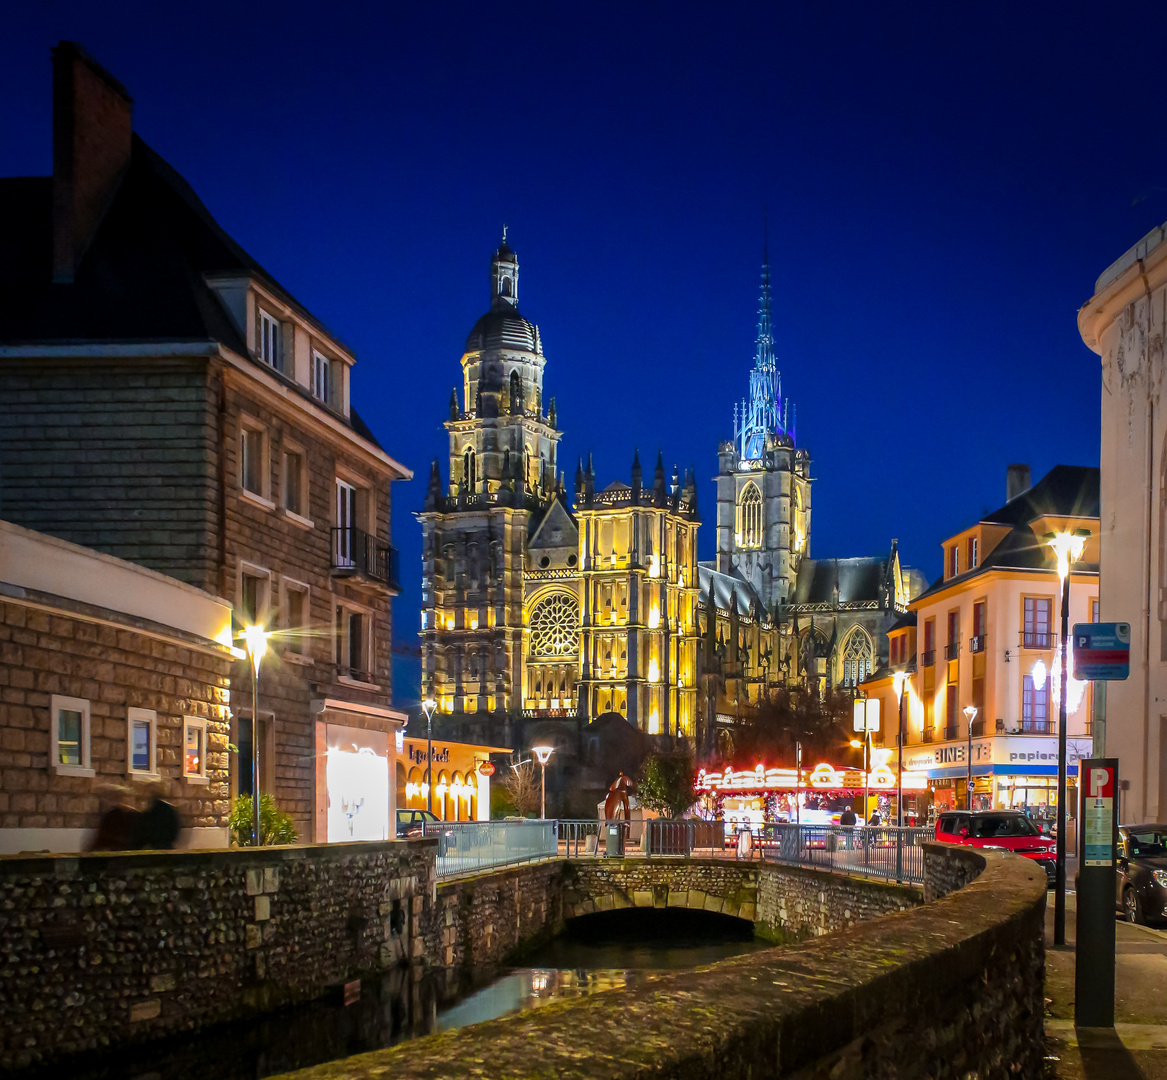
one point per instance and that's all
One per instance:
(1037, 639)
(1038, 727)
(951, 732)
(976, 644)
(928, 735)
(356, 553)
(928, 658)
(952, 650)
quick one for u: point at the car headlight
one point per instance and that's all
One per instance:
(1160, 877)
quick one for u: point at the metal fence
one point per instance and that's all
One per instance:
(887, 852)
(477, 845)
(650, 838)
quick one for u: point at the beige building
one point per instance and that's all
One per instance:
(986, 634)
(1124, 322)
(111, 675)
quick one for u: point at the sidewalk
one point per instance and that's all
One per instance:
(1137, 1047)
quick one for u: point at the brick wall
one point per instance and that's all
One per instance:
(104, 949)
(50, 646)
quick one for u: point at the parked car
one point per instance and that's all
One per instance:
(1141, 881)
(999, 830)
(413, 822)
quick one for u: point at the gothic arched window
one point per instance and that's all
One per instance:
(516, 393)
(555, 626)
(750, 517)
(470, 469)
(857, 656)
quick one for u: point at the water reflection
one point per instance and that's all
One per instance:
(597, 953)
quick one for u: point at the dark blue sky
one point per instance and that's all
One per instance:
(942, 193)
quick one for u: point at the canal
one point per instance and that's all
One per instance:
(598, 952)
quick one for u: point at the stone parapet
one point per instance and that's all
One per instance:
(950, 989)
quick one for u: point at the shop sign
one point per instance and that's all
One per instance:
(486, 768)
(439, 754)
(1013, 751)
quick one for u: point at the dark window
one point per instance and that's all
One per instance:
(1002, 825)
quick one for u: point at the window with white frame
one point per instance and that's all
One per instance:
(346, 521)
(70, 736)
(296, 616)
(194, 748)
(295, 481)
(141, 742)
(354, 643)
(321, 378)
(254, 472)
(270, 339)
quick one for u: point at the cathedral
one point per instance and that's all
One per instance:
(537, 604)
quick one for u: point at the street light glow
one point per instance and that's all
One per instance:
(898, 681)
(543, 753)
(255, 642)
(1068, 548)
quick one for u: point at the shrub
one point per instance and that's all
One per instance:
(275, 827)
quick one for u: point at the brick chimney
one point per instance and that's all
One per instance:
(92, 133)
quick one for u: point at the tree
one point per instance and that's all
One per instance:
(665, 783)
(521, 782)
(768, 732)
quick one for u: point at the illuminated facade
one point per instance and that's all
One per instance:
(986, 635)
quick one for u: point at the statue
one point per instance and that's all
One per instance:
(617, 798)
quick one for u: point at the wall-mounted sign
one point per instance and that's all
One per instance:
(1102, 650)
(866, 714)
(486, 768)
(437, 754)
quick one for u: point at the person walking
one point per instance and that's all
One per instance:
(847, 820)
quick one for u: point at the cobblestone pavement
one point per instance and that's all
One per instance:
(1137, 1047)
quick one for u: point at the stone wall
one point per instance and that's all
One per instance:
(103, 949)
(796, 903)
(723, 886)
(483, 920)
(947, 990)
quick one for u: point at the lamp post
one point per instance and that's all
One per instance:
(428, 707)
(543, 753)
(255, 642)
(1068, 549)
(970, 714)
(898, 682)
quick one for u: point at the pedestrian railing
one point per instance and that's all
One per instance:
(477, 845)
(881, 851)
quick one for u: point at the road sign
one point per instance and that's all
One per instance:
(1102, 650)
(971, 785)
(866, 714)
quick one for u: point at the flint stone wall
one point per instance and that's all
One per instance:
(103, 949)
(948, 990)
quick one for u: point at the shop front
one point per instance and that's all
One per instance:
(460, 773)
(1009, 772)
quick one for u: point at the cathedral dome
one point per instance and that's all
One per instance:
(504, 329)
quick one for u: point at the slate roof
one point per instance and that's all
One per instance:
(723, 586)
(143, 278)
(859, 580)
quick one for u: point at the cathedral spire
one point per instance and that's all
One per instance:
(504, 277)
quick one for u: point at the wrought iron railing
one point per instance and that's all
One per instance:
(888, 852)
(1038, 727)
(952, 650)
(976, 644)
(951, 732)
(928, 735)
(1034, 639)
(354, 551)
(928, 657)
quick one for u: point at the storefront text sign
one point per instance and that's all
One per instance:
(439, 753)
(1005, 753)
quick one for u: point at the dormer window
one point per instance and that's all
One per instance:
(321, 377)
(954, 560)
(972, 553)
(269, 340)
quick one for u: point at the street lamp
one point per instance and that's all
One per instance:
(428, 707)
(970, 714)
(255, 644)
(1068, 548)
(543, 753)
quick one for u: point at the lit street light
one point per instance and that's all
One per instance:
(899, 681)
(970, 714)
(255, 644)
(543, 753)
(1068, 548)
(428, 707)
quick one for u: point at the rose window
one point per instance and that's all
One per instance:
(555, 626)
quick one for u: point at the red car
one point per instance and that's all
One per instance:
(999, 830)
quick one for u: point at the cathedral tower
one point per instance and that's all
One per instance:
(763, 479)
(501, 473)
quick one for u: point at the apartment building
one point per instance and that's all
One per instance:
(985, 636)
(163, 399)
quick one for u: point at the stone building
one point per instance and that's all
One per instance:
(110, 674)
(165, 400)
(1124, 323)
